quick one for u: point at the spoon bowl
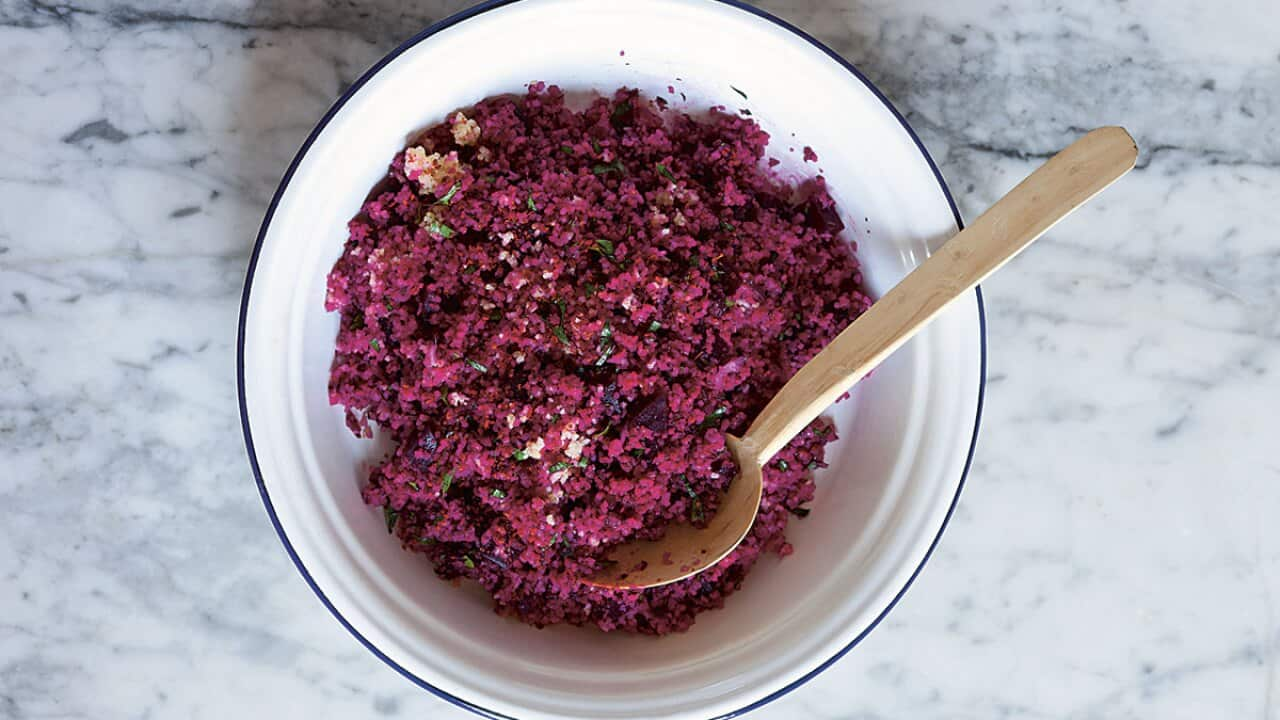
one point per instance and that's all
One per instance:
(686, 550)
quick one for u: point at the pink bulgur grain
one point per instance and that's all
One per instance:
(557, 315)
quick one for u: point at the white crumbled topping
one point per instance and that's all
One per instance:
(679, 219)
(547, 275)
(629, 302)
(519, 356)
(574, 443)
(534, 448)
(457, 399)
(551, 520)
(431, 170)
(484, 155)
(511, 421)
(506, 237)
(488, 287)
(374, 263)
(465, 130)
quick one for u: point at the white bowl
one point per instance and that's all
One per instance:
(907, 433)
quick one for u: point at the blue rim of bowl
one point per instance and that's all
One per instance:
(244, 315)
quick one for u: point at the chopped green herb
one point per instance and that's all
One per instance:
(582, 462)
(604, 247)
(466, 560)
(520, 455)
(595, 145)
(605, 168)
(446, 483)
(560, 305)
(727, 226)
(426, 541)
(444, 199)
(567, 150)
(744, 95)
(435, 226)
(591, 288)
(730, 303)
(695, 511)
(389, 306)
(606, 345)
(416, 487)
(800, 512)
(375, 344)
(637, 452)
(557, 467)
(389, 516)
(811, 466)
(666, 173)
(498, 493)
(562, 336)
(655, 326)
(621, 109)
(479, 367)
(470, 268)
(529, 203)
(713, 417)
(784, 465)
(607, 427)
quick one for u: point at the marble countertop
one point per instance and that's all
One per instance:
(1116, 553)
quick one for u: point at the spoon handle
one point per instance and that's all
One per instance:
(1065, 182)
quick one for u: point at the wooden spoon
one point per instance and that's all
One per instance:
(1065, 182)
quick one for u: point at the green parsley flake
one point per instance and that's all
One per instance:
(533, 207)
(375, 344)
(784, 465)
(744, 95)
(605, 168)
(444, 200)
(655, 326)
(466, 560)
(665, 172)
(479, 367)
(557, 467)
(498, 493)
(446, 483)
(390, 516)
(604, 247)
(439, 228)
(713, 417)
(562, 336)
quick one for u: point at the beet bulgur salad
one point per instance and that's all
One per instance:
(557, 315)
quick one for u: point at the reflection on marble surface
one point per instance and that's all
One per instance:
(1115, 554)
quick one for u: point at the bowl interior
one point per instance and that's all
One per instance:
(905, 433)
